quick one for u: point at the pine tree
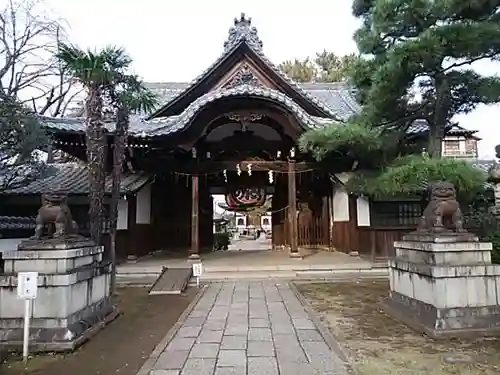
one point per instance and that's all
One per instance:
(419, 59)
(21, 140)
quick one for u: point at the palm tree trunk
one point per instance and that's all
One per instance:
(122, 120)
(94, 136)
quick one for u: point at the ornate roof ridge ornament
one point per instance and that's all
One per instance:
(243, 31)
(243, 76)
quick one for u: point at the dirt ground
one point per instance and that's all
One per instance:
(379, 345)
(121, 347)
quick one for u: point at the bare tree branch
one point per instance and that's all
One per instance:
(29, 39)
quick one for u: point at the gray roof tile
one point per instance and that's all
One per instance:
(73, 124)
(175, 123)
(72, 178)
(484, 165)
(17, 222)
(337, 95)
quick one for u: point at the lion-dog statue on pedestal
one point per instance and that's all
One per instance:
(54, 214)
(443, 211)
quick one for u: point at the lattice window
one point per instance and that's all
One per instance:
(395, 213)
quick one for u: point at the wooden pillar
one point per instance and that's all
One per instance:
(194, 251)
(292, 210)
(325, 222)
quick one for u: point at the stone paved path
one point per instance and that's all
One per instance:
(261, 243)
(248, 328)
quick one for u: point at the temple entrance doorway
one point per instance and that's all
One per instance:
(243, 150)
(243, 219)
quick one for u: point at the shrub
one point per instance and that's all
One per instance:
(221, 240)
(409, 175)
(353, 138)
(480, 220)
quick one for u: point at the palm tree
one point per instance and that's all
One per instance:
(97, 72)
(128, 96)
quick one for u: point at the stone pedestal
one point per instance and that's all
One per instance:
(445, 285)
(73, 294)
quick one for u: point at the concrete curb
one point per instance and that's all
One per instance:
(140, 282)
(150, 362)
(324, 331)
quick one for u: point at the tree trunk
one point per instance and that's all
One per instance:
(94, 135)
(122, 120)
(434, 147)
(441, 114)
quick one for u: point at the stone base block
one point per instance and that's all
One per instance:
(443, 323)
(65, 335)
(62, 243)
(295, 255)
(72, 299)
(445, 285)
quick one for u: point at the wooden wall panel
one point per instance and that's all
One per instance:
(171, 214)
(345, 233)
(379, 242)
(279, 215)
(206, 213)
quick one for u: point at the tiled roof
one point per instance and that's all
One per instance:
(16, 222)
(484, 165)
(336, 95)
(72, 178)
(76, 124)
(220, 217)
(166, 125)
(418, 126)
(176, 123)
(459, 130)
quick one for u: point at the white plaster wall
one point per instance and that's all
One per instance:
(9, 244)
(143, 211)
(363, 212)
(238, 226)
(461, 145)
(340, 204)
(266, 226)
(122, 223)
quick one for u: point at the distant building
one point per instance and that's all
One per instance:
(460, 143)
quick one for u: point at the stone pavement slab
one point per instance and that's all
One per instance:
(246, 328)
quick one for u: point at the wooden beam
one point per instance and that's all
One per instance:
(292, 207)
(194, 251)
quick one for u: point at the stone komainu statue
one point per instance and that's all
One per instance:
(443, 211)
(56, 216)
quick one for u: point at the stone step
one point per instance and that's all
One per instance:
(259, 274)
(171, 281)
(262, 274)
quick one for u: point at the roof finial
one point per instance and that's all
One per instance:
(243, 31)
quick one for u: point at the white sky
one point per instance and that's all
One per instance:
(177, 40)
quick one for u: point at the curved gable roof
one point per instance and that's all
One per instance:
(243, 38)
(177, 123)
